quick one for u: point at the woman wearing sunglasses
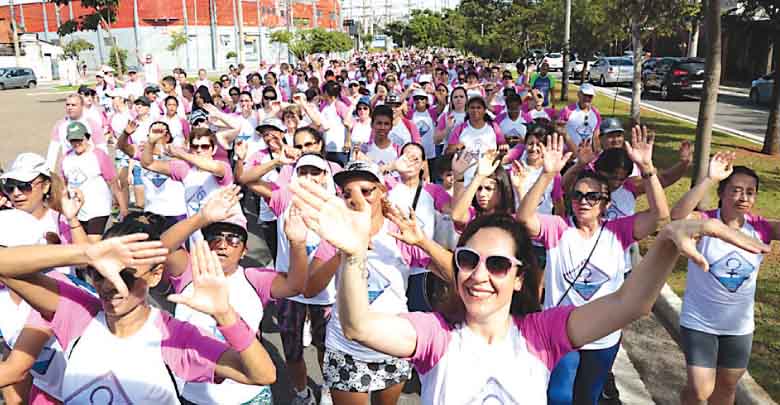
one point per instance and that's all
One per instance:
(717, 318)
(119, 346)
(489, 344)
(586, 257)
(352, 371)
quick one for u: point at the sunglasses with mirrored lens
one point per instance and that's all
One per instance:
(127, 275)
(467, 259)
(8, 186)
(200, 146)
(591, 197)
(232, 239)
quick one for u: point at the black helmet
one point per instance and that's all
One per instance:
(611, 124)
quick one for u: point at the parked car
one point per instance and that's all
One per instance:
(17, 77)
(674, 77)
(554, 60)
(609, 70)
(761, 89)
(576, 65)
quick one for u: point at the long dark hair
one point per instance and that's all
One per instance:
(317, 135)
(525, 301)
(506, 202)
(744, 170)
(479, 99)
(205, 94)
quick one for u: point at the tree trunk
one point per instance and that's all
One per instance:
(772, 137)
(709, 99)
(636, 88)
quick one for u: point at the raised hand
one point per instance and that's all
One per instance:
(686, 152)
(111, 256)
(131, 126)
(241, 149)
(211, 109)
(154, 136)
(461, 161)
(323, 212)
(585, 153)
(721, 165)
(518, 175)
(220, 205)
(554, 158)
(408, 230)
(71, 202)
(174, 151)
(210, 293)
(294, 227)
(488, 163)
(640, 150)
(289, 155)
(686, 232)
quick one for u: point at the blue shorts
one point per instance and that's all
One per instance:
(137, 176)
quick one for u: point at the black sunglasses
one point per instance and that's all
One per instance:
(267, 98)
(200, 146)
(232, 239)
(365, 191)
(591, 197)
(305, 145)
(8, 186)
(467, 259)
(127, 275)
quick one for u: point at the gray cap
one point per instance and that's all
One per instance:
(358, 168)
(393, 98)
(143, 100)
(610, 125)
(271, 123)
(76, 131)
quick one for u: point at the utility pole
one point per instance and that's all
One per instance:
(70, 10)
(186, 33)
(240, 8)
(135, 31)
(213, 27)
(45, 20)
(566, 52)
(235, 29)
(17, 51)
(259, 31)
(58, 20)
(21, 16)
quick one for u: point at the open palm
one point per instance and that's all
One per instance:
(408, 230)
(210, 293)
(554, 157)
(640, 150)
(330, 218)
(110, 256)
(222, 204)
(721, 166)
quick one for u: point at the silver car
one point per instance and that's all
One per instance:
(761, 89)
(17, 77)
(613, 69)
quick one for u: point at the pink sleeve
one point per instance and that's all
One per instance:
(762, 226)
(500, 117)
(564, 114)
(441, 123)
(55, 131)
(96, 133)
(280, 199)
(552, 113)
(624, 229)
(433, 338)
(545, 334)
(107, 169)
(414, 256)
(455, 135)
(185, 127)
(191, 353)
(516, 152)
(628, 185)
(440, 196)
(75, 310)
(557, 189)
(498, 109)
(179, 169)
(227, 178)
(527, 116)
(499, 134)
(257, 158)
(413, 131)
(341, 109)
(261, 280)
(434, 115)
(551, 228)
(325, 251)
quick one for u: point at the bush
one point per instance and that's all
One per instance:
(231, 55)
(119, 65)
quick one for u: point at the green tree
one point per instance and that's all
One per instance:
(103, 14)
(178, 38)
(74, 47)
(118, 59)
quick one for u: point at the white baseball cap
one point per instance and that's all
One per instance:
(419, 93)
(312, 159)
(426, 78)
(19, 229)
(27, 167)
(588, 89)
(118, 92)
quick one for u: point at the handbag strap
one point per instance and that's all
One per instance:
(579, 272)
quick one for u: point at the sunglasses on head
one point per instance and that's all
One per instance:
(467, 259)
(200, 146)
(127, 275)
(8, 186)
(591, 197)
(232, 239)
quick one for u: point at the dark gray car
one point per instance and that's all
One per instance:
(17, 77)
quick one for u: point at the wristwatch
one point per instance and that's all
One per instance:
(649, 174)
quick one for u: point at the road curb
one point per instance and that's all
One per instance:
(667, 308)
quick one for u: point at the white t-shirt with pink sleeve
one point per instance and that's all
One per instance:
(381, 156)
(389, 264)
(59, 142)
(580, 124)
(148, 367)
(198, 184)
(90, 172)
(568, 264)
(250, 292)
(457, 366)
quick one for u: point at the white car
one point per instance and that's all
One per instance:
(611, 70)
(554, 60)
(761, 89)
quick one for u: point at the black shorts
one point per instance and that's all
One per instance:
(715, 351)
(95, 226)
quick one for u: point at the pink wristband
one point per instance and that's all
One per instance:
(238, 335)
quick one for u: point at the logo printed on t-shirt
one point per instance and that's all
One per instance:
(76, 177)
(377, 284)
(196, 199)
(104, 389)
(732, 270)
(423, 127)
(493, 393)
(589, 282)
(613, 212)
(156, 178)
(42, 363)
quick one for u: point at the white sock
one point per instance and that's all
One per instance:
(302, 394)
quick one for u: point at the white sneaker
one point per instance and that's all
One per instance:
(309, 399)
(307, 333)
(325, 398)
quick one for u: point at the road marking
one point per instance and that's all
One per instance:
(758, 139)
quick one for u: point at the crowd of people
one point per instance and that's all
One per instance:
(427, 215)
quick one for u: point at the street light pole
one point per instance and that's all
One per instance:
(17, 51)
(566, 52)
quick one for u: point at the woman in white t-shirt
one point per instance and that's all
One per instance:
(478, 133)
(489, 344)
(586, 256)
(717, 318)
(453, 116)
(117, 345)
(360, 133)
